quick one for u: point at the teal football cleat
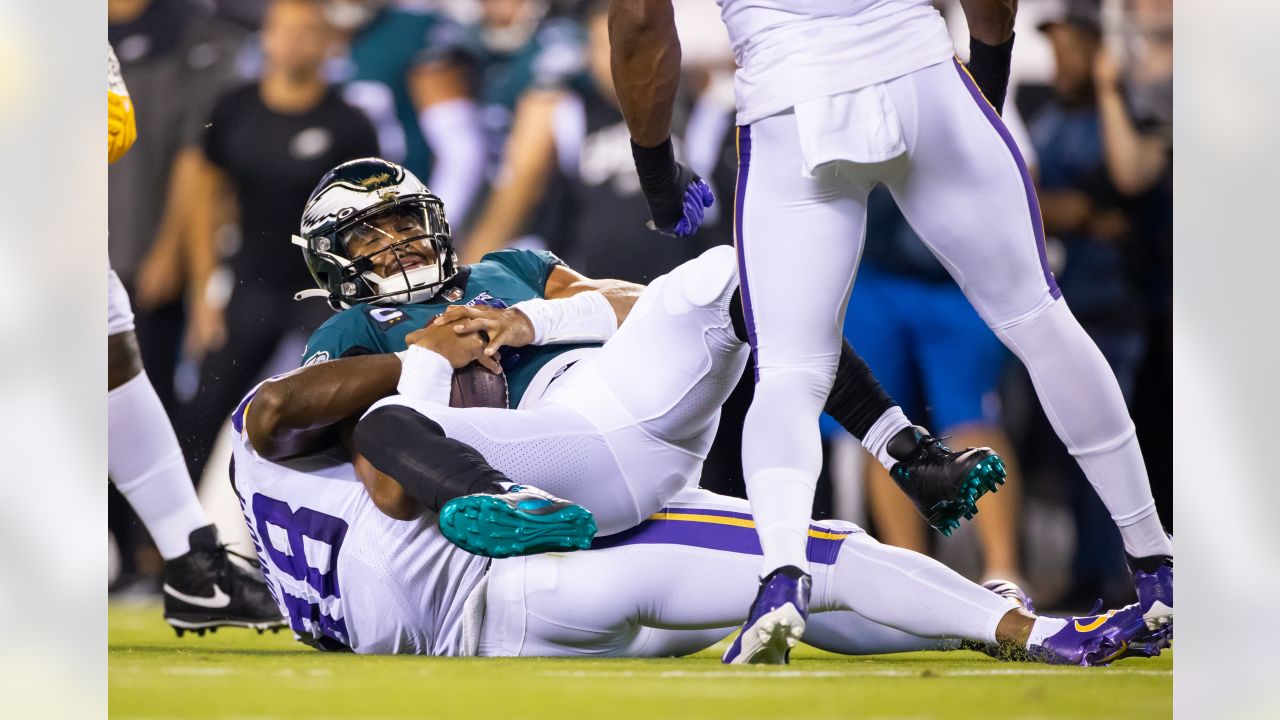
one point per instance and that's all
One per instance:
(943, 484)
(522, 521)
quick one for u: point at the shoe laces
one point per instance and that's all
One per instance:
(223, 550)
(932, 451)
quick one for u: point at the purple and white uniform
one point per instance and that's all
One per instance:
(344, 574)
(833, 97)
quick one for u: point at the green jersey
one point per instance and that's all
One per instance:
(500, 279)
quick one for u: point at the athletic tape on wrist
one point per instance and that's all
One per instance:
(585, 317)
(424, 375)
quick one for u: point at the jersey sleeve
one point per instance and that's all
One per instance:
(531, 266)
(346, 334)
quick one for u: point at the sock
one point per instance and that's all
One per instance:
(856, 400)
(1145, 536)
(1044, 628)
(413, 450)
(1083, 402)
(890, 423)
(146, 465)
(782, 505)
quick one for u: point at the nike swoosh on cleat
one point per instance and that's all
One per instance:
(219, 599)
(1097, 622)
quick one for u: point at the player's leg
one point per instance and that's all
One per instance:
(146, 465)
(798, 238)
(441, 455)
(961, 365)
(671, 365)
(877, 323)
(690, 570)
(968, 195)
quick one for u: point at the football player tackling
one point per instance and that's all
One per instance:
(356, 558)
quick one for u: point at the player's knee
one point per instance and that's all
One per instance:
(387, 495)
(796, 383)
(707, 280)
(124, 360)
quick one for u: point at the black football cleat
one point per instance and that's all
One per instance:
(204, 589)
(943, 484)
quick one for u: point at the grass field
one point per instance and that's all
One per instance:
(236, 673)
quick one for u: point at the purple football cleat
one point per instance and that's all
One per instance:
(1155, 592)
(776, 620)
(1101, 639)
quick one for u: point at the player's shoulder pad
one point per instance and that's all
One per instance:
(531, 266)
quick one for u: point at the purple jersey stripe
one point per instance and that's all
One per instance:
(717, 536)
(739, 197)
(994, 118)
(237, 417)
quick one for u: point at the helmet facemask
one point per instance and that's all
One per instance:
(399, 252)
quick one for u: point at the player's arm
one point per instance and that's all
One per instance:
(450, 123)
(645, 57)
(990, 45)
(299, 412)
(574, 309)
(564, 282)
(528, 161)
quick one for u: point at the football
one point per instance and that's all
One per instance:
(475, 386)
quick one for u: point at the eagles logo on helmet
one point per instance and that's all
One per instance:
(347, 203)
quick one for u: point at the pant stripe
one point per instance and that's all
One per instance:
(740, 192)
(994, 118)
(716, 529)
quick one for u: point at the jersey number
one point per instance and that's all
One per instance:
(312, 542)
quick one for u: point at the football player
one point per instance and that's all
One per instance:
(361, 571)
(203, 587)
(833, 98)
(630, 423)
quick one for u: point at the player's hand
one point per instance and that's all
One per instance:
(459, 349)
(676, 196)
(122, 130)
(503, 327)
(680, 214)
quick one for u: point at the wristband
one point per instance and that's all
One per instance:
(424, 375)
(585, 317)
(656, 166)
(989, 66)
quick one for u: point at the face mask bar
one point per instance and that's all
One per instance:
(419, 222)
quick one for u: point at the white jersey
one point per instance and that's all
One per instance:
(790, 51)
(343, 573)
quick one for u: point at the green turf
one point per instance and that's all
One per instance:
(238, 673)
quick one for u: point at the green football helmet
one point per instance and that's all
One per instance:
(355, 204)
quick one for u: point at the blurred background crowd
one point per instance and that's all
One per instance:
(506, 109)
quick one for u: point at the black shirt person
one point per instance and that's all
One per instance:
(265, 144)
